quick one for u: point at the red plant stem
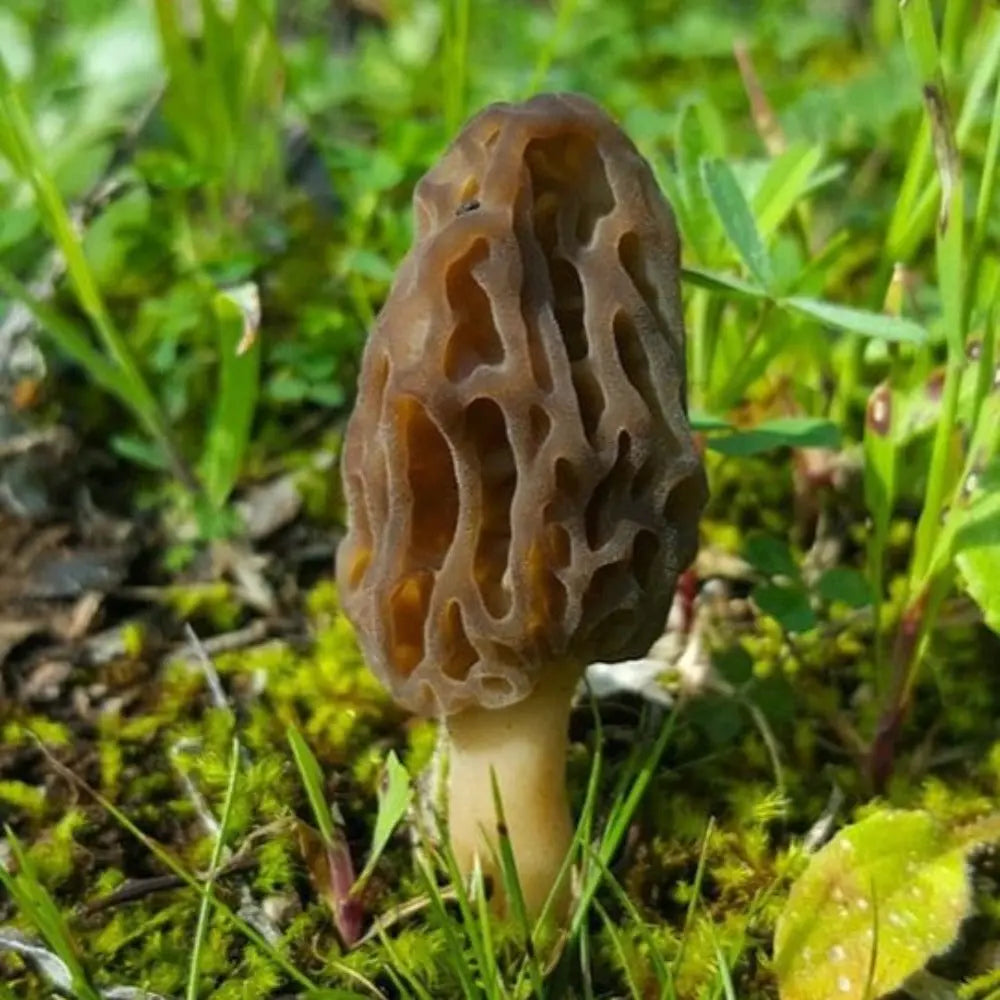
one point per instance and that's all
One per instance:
(882, 752)
(687, 592)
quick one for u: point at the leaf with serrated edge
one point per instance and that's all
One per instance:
(896, 884)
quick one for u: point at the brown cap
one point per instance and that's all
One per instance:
(521, 481)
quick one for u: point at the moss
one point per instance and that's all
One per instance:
(55, 855)
(278, 864)
(422, 738)
(20, 795)
(717, 765)
(24, 732)
(111, 756)
(214, 603)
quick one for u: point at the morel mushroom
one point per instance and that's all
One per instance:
(521, 481)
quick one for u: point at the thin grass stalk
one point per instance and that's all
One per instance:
(663, 973)
(207, 898)
(512, 888)
(37, 906)
(612, 931)
(565, 11)
(455, 951)
(925, 590)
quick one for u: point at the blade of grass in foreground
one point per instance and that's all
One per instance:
(635, 780)
(67, 336)
(35, 903)
(988, 182)
(470, 921)
(512, 888)
(699, 877)
(725, 988)
(664, 976)
(454, 950)
(491, 970)
(312, 782)
(399, 973)
(337, 883)
(613, 932)
(918, 30)
(207, 896)
(394, 796)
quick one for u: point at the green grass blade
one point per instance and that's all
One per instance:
(726, 284)
(632, 784)
(470, 919)
(394, 798)
(914, 209)
(921, 41)
(455, 951)
(512, 887)
(580, 844)
(455, 61)
(700, 226)
(988, 182)
(472, 911)
(726, 988)
(880, 454)
(897, 329)
(400, 975)
(951, 252)
(312, 781)
(34, 901)
(699, 877)
(950, 258)
(184, 80)
(616, 942)
(954, 32)
(982, 74)
(482, 932)
(986, 369)
(201, 928)
(663, 973)
(28, 162)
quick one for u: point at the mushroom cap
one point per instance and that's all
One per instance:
(521, 481)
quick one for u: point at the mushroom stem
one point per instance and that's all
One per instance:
(525, 746)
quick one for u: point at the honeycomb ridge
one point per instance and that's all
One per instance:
(521, 481)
